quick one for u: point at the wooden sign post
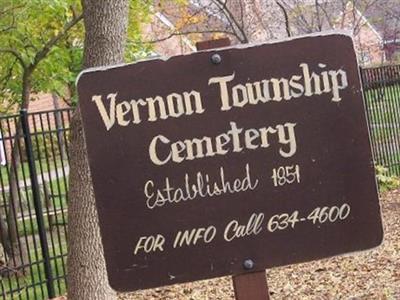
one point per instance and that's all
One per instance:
(230, 161)
(251, 286)
(248, 286)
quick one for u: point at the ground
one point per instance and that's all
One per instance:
(373, 274)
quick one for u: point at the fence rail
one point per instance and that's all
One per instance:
(33, 204)
(34, 185)
(382, 100)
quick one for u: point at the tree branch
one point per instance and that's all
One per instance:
(16, 55)
(216, 8)
(285, 15)
(7, 10)
(8, 75)
(327, 16)
(180, 33)
(53, 41)
(318, 20)
(358, 21)
(232, 20)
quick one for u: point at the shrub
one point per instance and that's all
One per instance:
(385, 180)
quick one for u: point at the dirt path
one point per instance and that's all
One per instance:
(367, 275)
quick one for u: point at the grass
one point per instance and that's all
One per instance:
(30, 226)
(32, 285)
(384, 117)
(58, 203)
(23, 170)
(372, 94)
(391, 162)
(384, 105)
(57, 189)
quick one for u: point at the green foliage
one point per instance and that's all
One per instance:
(45, 146)
(27, 29)
(139, 15)
(33, 286)
(386, 181)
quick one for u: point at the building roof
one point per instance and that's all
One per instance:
(384, 16)
(197, 21)
(240, 20)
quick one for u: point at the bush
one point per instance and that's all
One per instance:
(44, 145)
(386, 181)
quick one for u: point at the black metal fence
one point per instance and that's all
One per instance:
(382, 99)
(34, 175)
(33, 201)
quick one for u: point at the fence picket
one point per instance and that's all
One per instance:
(382, 100)
(42, 272)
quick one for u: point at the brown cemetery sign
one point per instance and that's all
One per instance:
(203, 161)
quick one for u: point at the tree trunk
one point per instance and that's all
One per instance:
(59, 127)
(106, 25)
(49, 206)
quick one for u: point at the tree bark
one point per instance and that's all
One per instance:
(106, 25)
(58, 121)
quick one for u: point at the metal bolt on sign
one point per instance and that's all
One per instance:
(216, 59)
(248, 264)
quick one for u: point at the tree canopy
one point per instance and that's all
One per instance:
(41, 46)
